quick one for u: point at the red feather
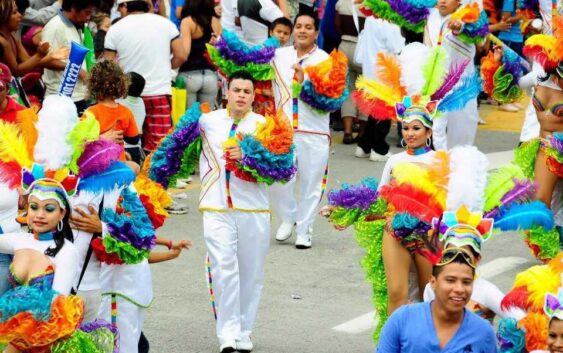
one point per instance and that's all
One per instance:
(11, 174)
(100, 251)
(375, 108)
(406, 198)
(517, 297)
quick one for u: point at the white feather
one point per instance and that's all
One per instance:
(56, 119)
(412, 58)
(467, 179)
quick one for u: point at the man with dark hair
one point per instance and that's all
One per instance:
(144, 43)
(447, 325)
(60, 31)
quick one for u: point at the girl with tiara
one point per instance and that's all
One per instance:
(38, 313)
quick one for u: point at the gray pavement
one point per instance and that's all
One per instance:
(327, 279)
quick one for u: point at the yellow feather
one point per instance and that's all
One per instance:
(13, 147)
(372, 90)
(538, 280)
(419, 175)
(389, 72)
(26, 120)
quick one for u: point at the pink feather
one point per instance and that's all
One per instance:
(523, 191)
(451, 79)
(98, 156)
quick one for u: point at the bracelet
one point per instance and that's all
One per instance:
(169, 245)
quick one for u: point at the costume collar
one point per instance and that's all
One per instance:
(236, 121)
(418, 151)
(44, 236)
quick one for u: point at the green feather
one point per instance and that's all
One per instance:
(525, 156)
(434, 70)
(87, 129)
(499, 182)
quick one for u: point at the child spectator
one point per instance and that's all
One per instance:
(135, 103)
(281, 29)
(117, 123)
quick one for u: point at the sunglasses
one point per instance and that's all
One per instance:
(450, 254)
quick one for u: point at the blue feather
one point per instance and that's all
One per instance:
(117, 175)
(524, 216)
(421, 3)
(461, 94)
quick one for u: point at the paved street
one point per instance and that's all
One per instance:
(307, 293)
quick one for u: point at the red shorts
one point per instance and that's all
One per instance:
(158, 120)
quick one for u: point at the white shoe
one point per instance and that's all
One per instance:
(376, 157)
(511, 108)
(228, 347)
(176, 208)
(181, 184)
(518, 105)
(284, 231)
(360, 153)
(481, 121)
(303, 241)
(244, 346)
(187, 180)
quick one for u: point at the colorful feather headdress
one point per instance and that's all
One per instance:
(230, 55)
(547, 49)
(500, 78)
(554, 305)
(464, 228)
(415, 84)
(59, 186)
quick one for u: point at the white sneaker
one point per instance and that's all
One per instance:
(360, 153)
(303, 241)
(481, 121)
(176, 208)
(284, 231)
(376, 157)
(244, 346)
(181, 184)
(228, 347)
(511, 108)
(187, 180)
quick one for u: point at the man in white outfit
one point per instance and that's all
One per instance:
(311, 135)
(459, 127)
(236, 218)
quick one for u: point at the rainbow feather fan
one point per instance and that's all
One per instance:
(230, 55)
(476, 23)
(410, 14)
(177, 153)
(268, 154)
(361, 195)
(501, 78)
(130, 235)
(547, 49)
(325, 89)
(407, 198)
(14, 154)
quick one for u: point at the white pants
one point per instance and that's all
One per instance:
(237, 243)
(130, 318)
(92, 300)
(461, 127)
(312, 161)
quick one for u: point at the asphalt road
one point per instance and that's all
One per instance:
(307, 292)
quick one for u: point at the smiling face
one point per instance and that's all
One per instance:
(453, 286)
(240, 96)
(415, 134)
(555, 336)
(43, 216)
(305, 33)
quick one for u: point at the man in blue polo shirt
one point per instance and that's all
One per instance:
(443, 325)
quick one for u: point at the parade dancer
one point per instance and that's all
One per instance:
(241, 153)
(309, 85)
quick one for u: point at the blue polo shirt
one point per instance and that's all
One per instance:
(173, 5)
(514, 34)
(410, 329)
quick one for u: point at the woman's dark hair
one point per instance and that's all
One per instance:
(315, 19)
(201, 12)
(22, 5)
(6, 9)
(137, 5)
(59, 237)
(551, 72)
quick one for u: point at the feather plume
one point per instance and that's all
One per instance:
(26, 120)
(524, 216)
(438, 172)
(11, 174)
(523, 191)
(468, 178)
(373, 89)
(451, 79)
(375, 108)
(517, 297)
(409, 199)
(434, 70)
(13, 147)
(501, 181)
(87, 130)
(538, 280)
(468, 89)
(389, 72)
(412, 58)
(410, 173)
(117, 175)
(97, 157)
(535, 326)
(57, 118)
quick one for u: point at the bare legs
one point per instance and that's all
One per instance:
(545, 179)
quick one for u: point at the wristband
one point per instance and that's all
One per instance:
(169, 245)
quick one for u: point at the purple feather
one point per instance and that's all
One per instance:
(356, 196)
(451, 79)
(97, 157)
(523, 190)
(492, 213)
(421, 228)
(27, 178)
(125, 233)
(557, 141)
(412, 14)
(241, 57)
(512, 65)
(276, 174)
(101, 324)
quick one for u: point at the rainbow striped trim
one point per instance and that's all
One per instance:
(210, 286)
(228, 172)
(114, 309)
